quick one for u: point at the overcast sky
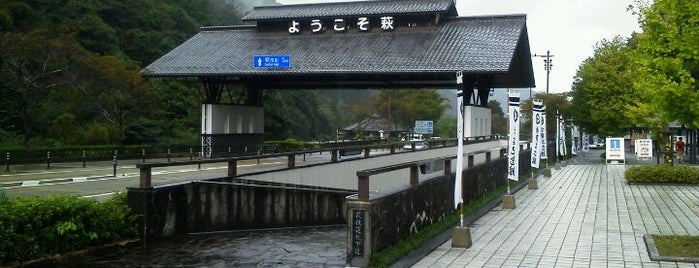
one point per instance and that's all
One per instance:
(567, 28)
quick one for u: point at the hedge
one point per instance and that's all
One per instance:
(662, 174)
(34, 227)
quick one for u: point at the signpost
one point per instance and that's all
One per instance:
(271, 61)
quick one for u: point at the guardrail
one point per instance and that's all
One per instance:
(145, 169)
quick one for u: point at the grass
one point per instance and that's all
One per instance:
(677, 245)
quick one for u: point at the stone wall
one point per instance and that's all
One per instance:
(208, 206)
(382, 221)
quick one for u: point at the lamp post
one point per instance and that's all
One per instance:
(547, 66)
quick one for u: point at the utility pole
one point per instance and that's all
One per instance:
(547, 66)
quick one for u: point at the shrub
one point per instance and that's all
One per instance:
(32, 227)
(662, 174)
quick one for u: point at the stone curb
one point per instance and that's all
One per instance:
(50, 181)
(655, 256)
(58, 259)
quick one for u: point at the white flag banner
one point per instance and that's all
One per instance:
(513, 143)
(460, 145)
(536, 142)
(544, 140)
(574, 140)
(559, 152)
(564, 148)
(585, 142)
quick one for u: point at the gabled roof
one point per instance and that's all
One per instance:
(494, 47)
(365, 8)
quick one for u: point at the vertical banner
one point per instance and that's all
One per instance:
(559, 153)
(460, 140)
(585, 142)
(536, 133)
(544, 135)
(564, 148)
(574, 140)
(513, 143)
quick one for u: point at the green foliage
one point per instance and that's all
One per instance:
(603, 89)
(38, 226)
(69, 70)
(445, 127)
(554, 103)
(662, 174)
(667, 60)
(499, 123)
(405, 106)
(291, 144)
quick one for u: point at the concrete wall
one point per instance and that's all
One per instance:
(387, 219)
(234, 205)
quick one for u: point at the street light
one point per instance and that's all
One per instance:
(547, 66)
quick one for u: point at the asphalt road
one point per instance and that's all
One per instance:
(97, 179)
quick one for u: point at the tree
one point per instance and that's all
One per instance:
(667, 60)
(497, 116)
(405, 106)
(603, 89)
(32, 64)
(115, 88)
(555, 104)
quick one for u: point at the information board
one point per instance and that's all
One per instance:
(424, 127)
(644, 148)
(615, 151)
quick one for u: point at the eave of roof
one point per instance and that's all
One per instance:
(364, 8)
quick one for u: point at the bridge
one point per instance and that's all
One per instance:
(385, 190)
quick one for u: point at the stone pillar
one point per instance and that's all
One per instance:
(359, 223)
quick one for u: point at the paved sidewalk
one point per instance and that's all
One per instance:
(585, 215)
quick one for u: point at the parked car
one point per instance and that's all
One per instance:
(419, 145)
(597, 145)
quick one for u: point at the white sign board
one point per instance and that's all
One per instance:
(644, 148)
(615, 151)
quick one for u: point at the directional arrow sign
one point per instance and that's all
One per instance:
(271, 61)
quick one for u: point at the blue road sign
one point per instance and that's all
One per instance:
(271, 61)
(424, 127)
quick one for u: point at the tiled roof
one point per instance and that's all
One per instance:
(495, 44)
(351, 9)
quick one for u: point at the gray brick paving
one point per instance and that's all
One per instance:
(585, 215)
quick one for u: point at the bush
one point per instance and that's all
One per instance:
(290, 144)
(662, 174)
(33, 227)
